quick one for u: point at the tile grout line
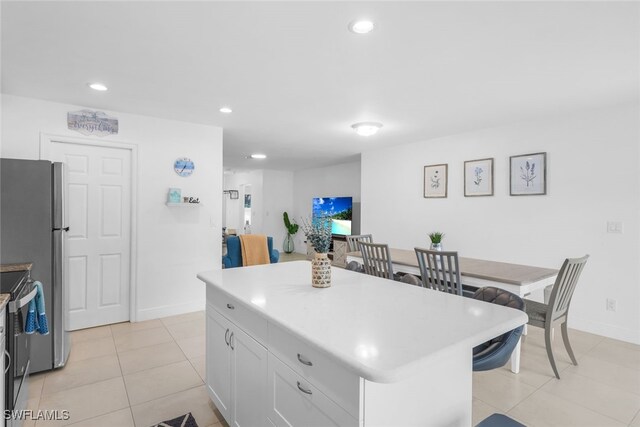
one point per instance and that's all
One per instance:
(634, 417)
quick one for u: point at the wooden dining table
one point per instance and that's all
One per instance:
(519, 279)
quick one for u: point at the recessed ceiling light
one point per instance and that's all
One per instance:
(361, 26)
(258, 156)
(226, 110)
(366, 128)
(98, 86)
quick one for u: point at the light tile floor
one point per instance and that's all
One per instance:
(143, 373)
(130, 374)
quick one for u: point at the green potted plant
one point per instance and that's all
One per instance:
(292, 228)
(436, 240)
(318, 233)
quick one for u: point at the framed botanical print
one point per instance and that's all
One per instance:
(435, 181)
(528, 174)
(478, 177)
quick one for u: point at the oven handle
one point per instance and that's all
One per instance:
(14, 306)
(6, 353)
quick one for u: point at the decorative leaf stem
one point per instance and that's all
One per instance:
(318, 233)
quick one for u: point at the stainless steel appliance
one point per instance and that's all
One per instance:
(32, 229)
(20, 286)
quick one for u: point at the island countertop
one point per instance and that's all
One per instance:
(381, 329)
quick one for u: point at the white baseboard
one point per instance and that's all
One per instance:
(605, 329)
(169, 310)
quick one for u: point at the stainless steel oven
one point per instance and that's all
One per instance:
(20, 286)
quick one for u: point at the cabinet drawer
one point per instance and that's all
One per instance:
(324, 372)
(249, 321)
(295, 402)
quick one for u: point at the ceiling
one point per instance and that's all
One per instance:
(297, 79)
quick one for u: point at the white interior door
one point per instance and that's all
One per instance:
(99, 238)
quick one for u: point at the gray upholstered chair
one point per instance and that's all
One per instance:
(557, 311)
(499, 420)
(355, 266)
(352, 241)
(376, 260)
(497, 351)
(411, 279)
(439, 270)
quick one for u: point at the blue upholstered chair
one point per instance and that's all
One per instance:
(233, 258)
(496, 352)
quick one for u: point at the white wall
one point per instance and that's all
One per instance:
(277, 187)
(593, 177)
(339, 181)
(235, 207)
(271, 195)
(173, 244)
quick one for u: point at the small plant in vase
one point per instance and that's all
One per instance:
(318, 233)
(292, 228)
(436, 240)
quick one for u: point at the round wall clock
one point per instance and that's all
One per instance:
(184, 166)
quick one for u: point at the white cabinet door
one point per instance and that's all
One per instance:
(219, 361)
(295, 402)
(249, 380)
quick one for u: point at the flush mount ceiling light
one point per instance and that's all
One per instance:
(98, 86)
(226, 110)
(366, 128)
(361, 26)
(258, 156)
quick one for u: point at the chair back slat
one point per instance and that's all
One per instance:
(440, 270)
(376, 260)
(353, 242)
(564, 286)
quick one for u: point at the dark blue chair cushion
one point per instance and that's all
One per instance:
(233, 258)
(499, 420)
(496, 352)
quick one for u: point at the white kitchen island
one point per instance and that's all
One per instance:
(364, 352)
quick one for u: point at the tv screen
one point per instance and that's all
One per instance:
(338, 209)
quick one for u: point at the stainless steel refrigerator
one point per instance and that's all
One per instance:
(32, 228)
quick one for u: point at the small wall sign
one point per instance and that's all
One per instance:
(175, 195)
(89, 122)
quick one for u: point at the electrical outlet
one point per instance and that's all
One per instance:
(611, 304)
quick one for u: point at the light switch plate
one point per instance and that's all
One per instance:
(614, 227)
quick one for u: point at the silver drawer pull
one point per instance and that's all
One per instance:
(231, 341)
(230, 306)
(304, 361)
(304, 390)
(226, 337)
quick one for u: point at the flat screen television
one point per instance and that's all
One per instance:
(338, 209)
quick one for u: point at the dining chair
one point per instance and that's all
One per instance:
(440, 270)
(377, 261)
(355, 266)
(353, 241)
(496, 352)
(557, 310)
(411, 279)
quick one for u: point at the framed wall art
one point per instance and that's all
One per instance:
(478, 177)
(528, 174)
(435, 181)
